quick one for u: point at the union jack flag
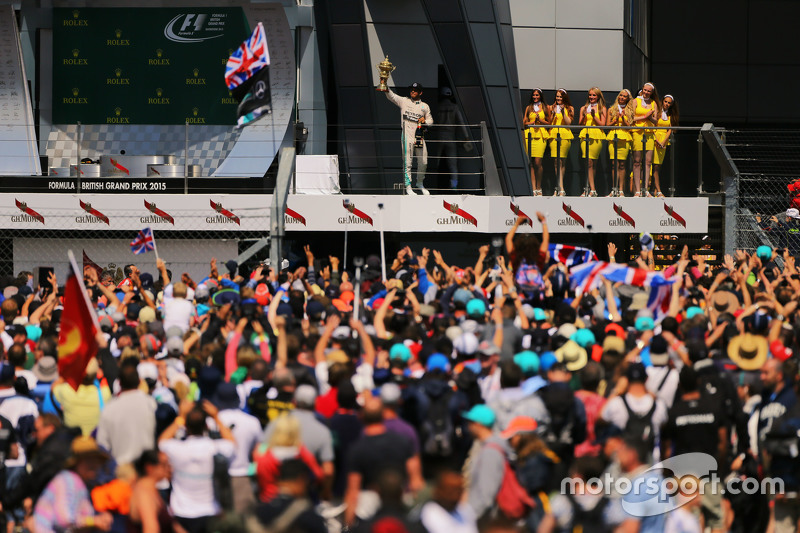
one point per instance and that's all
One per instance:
(571, 255)
(144, 242)
(586, 277)
(249, 58)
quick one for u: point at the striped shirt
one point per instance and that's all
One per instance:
(64, 504)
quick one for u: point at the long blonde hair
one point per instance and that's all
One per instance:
(286, 433)
(601, 102)
(627, 112)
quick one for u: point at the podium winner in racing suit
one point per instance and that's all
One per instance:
(413, 113)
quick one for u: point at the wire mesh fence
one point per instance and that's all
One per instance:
(768, 162)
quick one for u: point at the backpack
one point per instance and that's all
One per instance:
(588, 521)
(640, 426)
(223, 487)
(437, 430)
(564, 431)
(512, 499)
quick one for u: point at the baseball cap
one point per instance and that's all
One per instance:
(547, 360)
(636, 373)
(415, 87)
(519, 424)
(584, 338)
(438, 361)
(764, 252)
(476, 307)
(793, 213)
(466, 344)
(400, 351)
(305, 395)
(644, 323)
(527, 361)
(480, 414)
(390, 393)
(174, 346)
(693, 311)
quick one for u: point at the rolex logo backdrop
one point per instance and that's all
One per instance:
(144, 66)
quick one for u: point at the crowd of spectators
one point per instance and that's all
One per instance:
(444, 398)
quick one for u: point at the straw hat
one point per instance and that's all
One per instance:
(748, 351)
(572, 355)
(85, 448)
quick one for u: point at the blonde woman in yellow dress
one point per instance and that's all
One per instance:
(562, 113)
(620, 113)
(645, 116)
(537, 112)
(667, 119)
(592, 114)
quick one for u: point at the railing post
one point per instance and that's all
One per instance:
(699, 164)
(78, 166)
(672, 167)
(186, 158)
(586, 162)
(615, 186)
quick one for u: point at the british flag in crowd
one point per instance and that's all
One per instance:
(586, 277)
(248, 59)
(144, 242)
(571, 255)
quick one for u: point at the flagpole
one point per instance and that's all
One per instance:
(79, 275)
(155, 246)
(383, 245)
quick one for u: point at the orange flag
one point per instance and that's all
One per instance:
(76, 341)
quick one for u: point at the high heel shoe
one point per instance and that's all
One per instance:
(562, 192)
(592, 194)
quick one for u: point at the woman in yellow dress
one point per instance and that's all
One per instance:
(537, 112)
(667, 119)
(619, 141)
(645, 116)
(592, 114)
(562, 113)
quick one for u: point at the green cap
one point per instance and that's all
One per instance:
(480, 414)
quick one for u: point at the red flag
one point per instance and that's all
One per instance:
(88, 263)
(76, 341)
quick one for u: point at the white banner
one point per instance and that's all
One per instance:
(214, 212)
(395, 213)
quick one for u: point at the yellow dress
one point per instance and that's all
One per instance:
(536, 138)
(565, 135)
(622, 136)
(661, 135)
(642, 134)
(596, 138)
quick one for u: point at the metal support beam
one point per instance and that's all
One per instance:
(279, 196)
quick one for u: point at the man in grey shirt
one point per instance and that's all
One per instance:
(316, 437)
(127, 425)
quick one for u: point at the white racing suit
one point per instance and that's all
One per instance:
(410, 112)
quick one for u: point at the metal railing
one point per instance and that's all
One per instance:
(581, 162)
(367, 163)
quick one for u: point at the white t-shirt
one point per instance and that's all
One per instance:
(655, 376)
(192, 463)
(29, 376)
(614, 411)
(438, 520)
(178, 312)
(246, 430)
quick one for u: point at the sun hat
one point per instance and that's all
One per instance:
(748, 351)
(572, 355)
(85, 448)
(46, 369)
